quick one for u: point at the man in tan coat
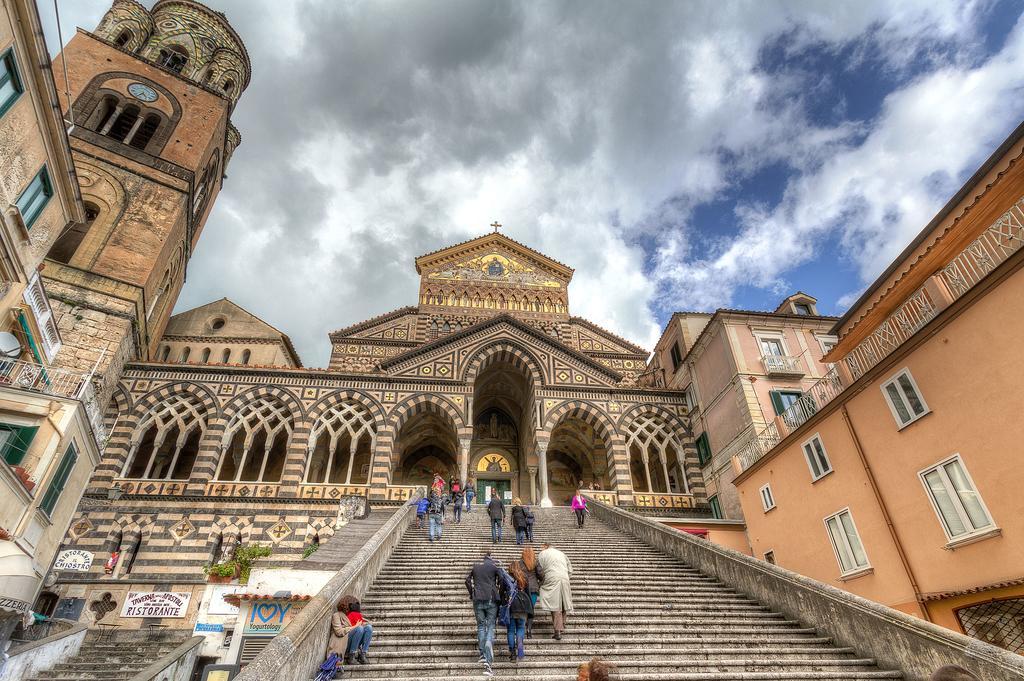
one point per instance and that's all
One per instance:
(555, 597)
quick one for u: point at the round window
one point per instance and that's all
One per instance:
(217, 324)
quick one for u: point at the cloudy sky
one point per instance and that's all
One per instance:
(680, 155)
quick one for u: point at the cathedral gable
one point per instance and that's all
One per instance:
(452, 357)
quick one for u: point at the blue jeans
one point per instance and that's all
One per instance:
(520, 535)
(435, 526)
(486, 616)
(457, 512)
(516, 634)
(469, 502)
(495, 530)
(359, 639)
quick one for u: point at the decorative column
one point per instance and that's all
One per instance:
(464, 460)
(664, 468)
(113, 117)
(647, 470)
(533, 483)
(542, 464)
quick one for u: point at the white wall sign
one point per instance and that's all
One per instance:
(218, 606)
(156, 604)
(73, 560)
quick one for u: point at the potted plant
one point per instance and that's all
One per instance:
(221, 573)
(238, 566)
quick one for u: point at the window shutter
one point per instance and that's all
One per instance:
(18, 444)
(60, 478)
(703, 449)
(776, 401)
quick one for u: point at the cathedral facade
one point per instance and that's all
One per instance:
(217, 435)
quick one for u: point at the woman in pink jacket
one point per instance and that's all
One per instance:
(579, 506)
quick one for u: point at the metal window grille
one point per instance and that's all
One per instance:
(1000, 623)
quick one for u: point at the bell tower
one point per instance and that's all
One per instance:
(151, 96)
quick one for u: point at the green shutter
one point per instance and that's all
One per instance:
(60, 478)
(703, 449)
(716, 508)
(17, 445)
(776, 401)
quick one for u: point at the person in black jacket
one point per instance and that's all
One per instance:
(484, 585)
(496, 510)
(519, 520)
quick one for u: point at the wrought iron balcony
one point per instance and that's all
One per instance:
(19, 374)
(782, 365)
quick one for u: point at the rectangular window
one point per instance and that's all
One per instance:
(15, 441)
(802, 308)
(677, 357)
(60, 478)
(35, 197)
(688, 398)
(716, 508)
(10, 82)
(767, 500)
(783, 399)
(846, 542)
(827, 343)
(703, 449)
(769, 557)
(817, 459)
(904, 398)
(772, 347)
(956, 501)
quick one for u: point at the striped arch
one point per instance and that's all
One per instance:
(653, 432)
(503, 351)
(383, 453)
(592, 414)
(120, 405)
(239, 401)
(349, 395)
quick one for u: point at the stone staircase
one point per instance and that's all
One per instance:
(106, 656)
(645, 612)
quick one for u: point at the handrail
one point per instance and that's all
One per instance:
(59, 382)
(182, 652)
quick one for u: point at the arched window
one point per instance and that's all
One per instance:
(173, 57)
(128, 560)
(256, 440)
(246, 354)
(656, 457)
(185, 354)
(125, 123)
(229, 87)
(145, 132)
(67, 243)
(166, 442)
(165, 353)
(341, 442)
(123, 38)
(226, 357)
(103, 114)
(206, 355)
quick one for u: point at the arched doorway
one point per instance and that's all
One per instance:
(577, 457)
(427, 444)
(503, 426)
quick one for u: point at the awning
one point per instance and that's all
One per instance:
(235, 599)
(18, 580)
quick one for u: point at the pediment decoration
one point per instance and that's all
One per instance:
(497, 265)
(448, 358)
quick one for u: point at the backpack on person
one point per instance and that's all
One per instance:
(506, 592)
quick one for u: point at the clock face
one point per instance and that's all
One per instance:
(142, 92)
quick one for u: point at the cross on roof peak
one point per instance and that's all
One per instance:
(496, 225)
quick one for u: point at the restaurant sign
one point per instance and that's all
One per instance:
(156, 604)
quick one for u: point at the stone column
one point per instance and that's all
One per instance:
(113, 117)
(542, 464)
(664, 468)
(647, 470)
(533, 483)
(464, 460)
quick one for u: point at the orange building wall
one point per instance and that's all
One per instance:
(969, 377)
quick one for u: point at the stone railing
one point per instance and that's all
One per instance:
(996, 244)
(896, 640)
(294, 654)
(176, 665)
(30, 658)
(662, 500)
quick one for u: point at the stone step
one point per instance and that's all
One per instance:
(469, 655)
(515, 672)
(593, 613)
(467, 629)
(444, 669)
(757, 639)
(765, 631)
(580, 597)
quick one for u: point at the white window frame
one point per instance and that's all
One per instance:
(894, 380)
(688, 397)
(770, 497)
(961, 511)
(824, 453)
(779, 336)
(858, 569)
(825, 338)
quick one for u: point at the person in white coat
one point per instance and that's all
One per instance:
(554, 569)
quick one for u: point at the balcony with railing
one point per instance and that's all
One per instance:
(982, 256)
(783, 365)
(22, 375)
